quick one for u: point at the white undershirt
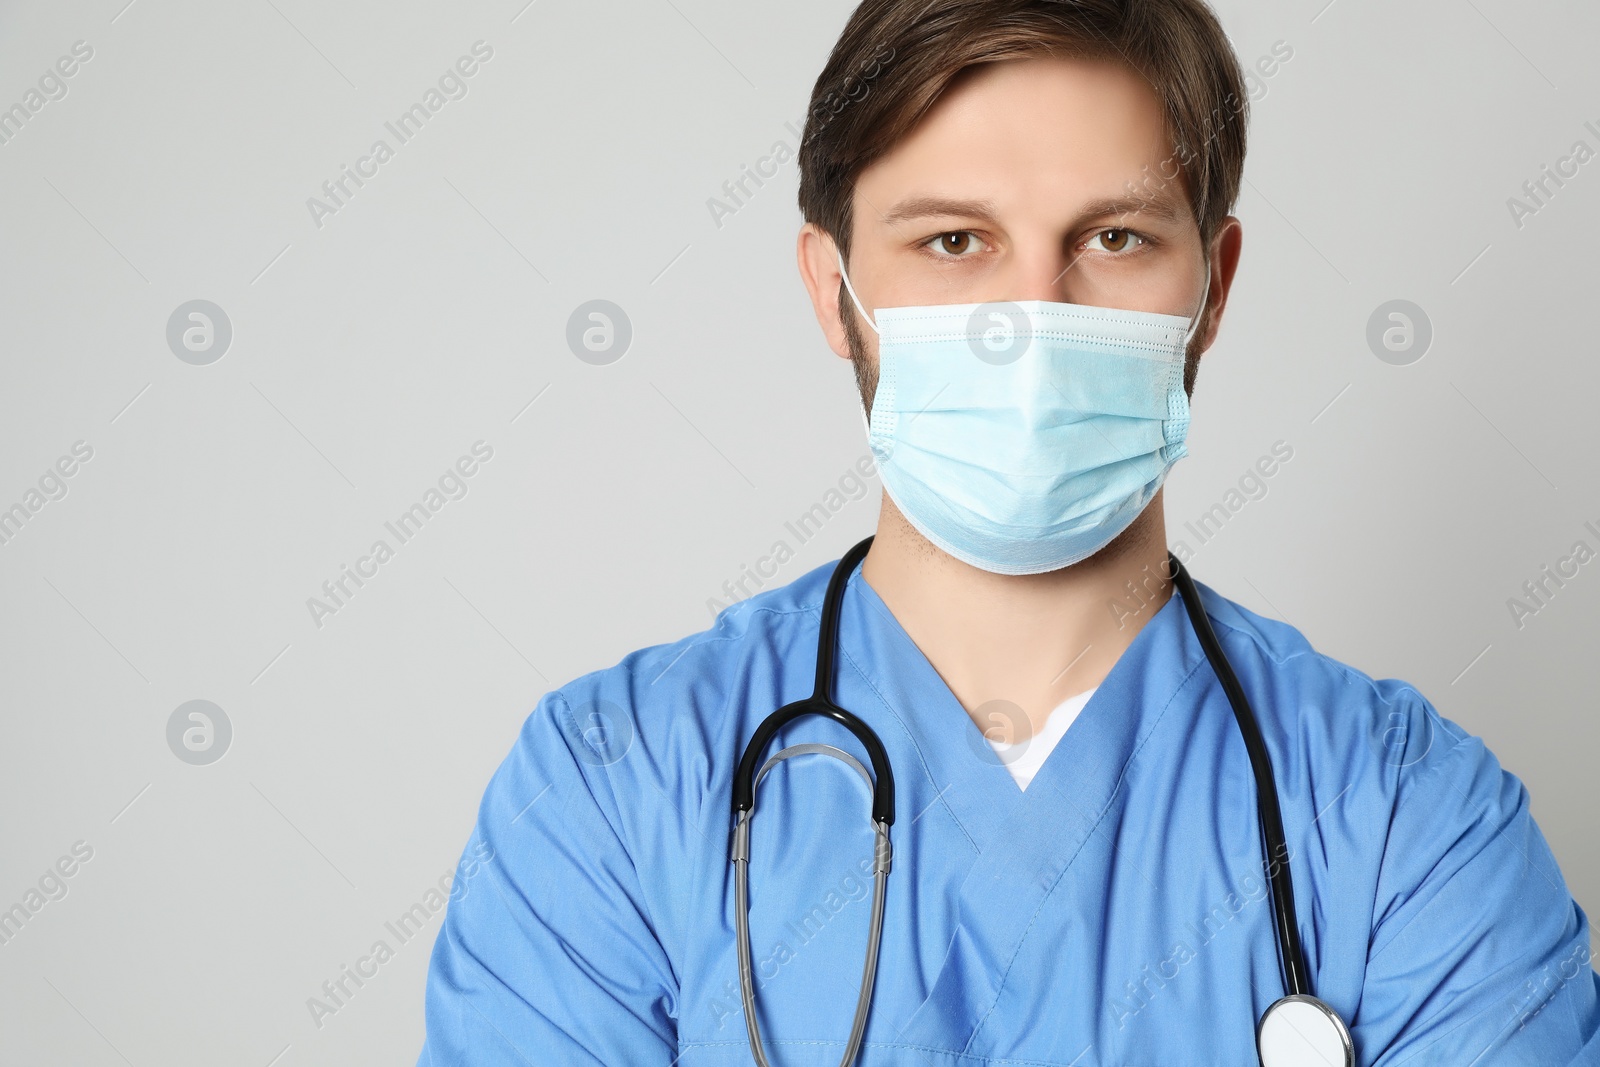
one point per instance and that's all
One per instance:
(1025, 758)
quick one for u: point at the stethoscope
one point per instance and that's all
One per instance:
(1298, 1030)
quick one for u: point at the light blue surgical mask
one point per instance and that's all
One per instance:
(1022, 437)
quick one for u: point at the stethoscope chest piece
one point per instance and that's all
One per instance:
(1302, 1031)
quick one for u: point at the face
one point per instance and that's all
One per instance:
(1036, 179)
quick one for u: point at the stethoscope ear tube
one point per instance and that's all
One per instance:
(820, 703)
(883, 775)
(882, 861)
(1296, 976)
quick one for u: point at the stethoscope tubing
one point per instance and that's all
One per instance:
(1296, 975)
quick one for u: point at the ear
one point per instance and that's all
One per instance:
(817, 258)
(1225, 250)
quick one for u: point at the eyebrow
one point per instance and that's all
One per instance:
(922, 207)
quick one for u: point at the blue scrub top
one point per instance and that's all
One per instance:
(1115, 913)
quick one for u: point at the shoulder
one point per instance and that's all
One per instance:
(627, 765)
(1307, 697)
(659, 718)
(694, 679)
(1373, 776)
(1368, 767)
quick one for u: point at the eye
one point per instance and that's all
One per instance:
(1114, 241)
(956, 244)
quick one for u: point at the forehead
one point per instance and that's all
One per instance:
(1048, 133)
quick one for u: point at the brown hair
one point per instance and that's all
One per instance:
(895, 58)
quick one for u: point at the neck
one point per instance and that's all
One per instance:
(1031, 641)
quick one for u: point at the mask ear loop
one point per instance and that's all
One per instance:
(856, 298)
(866, 420)
(1200, 313)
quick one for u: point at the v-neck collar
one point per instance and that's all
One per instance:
(1026, 842)
(967, 775)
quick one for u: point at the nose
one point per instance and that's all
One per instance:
(1039, 269)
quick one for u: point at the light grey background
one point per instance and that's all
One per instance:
(430, 312)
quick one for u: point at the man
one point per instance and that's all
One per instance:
(1017, 230)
